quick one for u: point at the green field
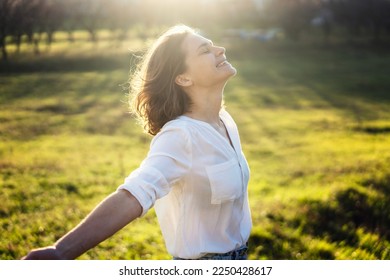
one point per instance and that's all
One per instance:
(314, 123)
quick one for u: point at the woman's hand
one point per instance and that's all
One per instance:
(46, 253)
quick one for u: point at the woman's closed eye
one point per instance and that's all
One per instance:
(205, 47)
(205, 50)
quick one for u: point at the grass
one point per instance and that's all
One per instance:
(314, 124)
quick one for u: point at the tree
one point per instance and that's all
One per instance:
(119, 16)
(52, 12)
(7, 8)
(293, 16)
(361, 16)
(89, 15)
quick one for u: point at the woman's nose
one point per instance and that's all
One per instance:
(220, 50)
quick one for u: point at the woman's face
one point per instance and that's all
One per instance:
(206, 64)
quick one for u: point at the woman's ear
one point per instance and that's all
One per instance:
(183, 81)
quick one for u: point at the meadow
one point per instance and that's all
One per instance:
(314, 123)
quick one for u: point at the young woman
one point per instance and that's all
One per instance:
(195, 174)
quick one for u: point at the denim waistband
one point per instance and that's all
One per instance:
(236, 254)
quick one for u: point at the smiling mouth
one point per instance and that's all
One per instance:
(223, 63)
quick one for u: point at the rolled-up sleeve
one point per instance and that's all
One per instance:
(167, 162)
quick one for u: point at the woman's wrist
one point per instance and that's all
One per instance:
(45, 253)
(68, 250)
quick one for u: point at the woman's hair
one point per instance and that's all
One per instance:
(154, 95)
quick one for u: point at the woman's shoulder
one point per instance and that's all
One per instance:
(174, 128)
(176, 124)
(173, 133)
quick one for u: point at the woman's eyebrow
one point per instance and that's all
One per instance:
(209, 42)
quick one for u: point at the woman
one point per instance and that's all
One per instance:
(195, 173)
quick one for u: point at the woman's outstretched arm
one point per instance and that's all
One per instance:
(112, 214)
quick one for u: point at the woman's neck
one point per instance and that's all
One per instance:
(206, 106)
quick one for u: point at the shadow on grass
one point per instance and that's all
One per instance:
(374, 130)
(350, 209)
(351, 217)
(352, 79)
(277, 245)
(82, 63)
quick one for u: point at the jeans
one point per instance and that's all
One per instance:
(240, 253)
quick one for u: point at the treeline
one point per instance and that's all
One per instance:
(355, 17)
(35, 18)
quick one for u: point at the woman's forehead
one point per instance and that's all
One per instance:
(193, 41)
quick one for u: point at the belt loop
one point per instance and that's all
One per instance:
(234, 255)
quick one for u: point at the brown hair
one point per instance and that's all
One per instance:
(154, 95)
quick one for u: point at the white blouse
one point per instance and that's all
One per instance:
(198, 184)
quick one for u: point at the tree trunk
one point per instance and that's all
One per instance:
(36, 40)
(92, 35)
(18, 41)
(3, 47)
(70, 36)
